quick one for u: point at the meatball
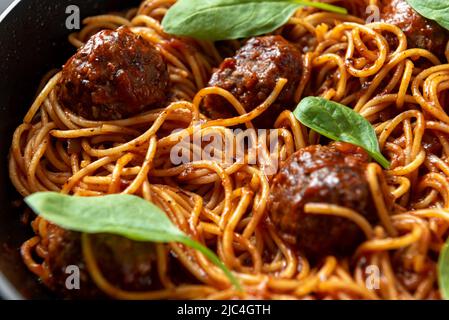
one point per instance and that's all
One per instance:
(115, 75)
(124, 263)
(356, 8)
(421, 32)
(251, 76)
(332, 174)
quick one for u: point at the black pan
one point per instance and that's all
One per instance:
(33, 40)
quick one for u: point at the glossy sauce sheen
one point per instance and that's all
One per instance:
(115, 75)
(332, 174)
(251, 76)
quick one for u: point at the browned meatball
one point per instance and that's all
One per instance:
(124, 263)
(420, 32)
(356, 8)
(332, 174)
(115, 75)
(251, 76)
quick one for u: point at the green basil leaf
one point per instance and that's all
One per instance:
(436, 10)
(124, 215)
(232, 19)
(340, 123)
(443, 271)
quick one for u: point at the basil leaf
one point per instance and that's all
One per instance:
(232, 19)
(436, 10)
(340, 123)
(124, 215)
(443, 271)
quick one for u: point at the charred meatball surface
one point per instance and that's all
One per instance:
(421, 32)
(129, 265)
(251, 76)
(332, 174)
(115, 75)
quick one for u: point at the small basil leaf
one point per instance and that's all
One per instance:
(436, 10)
(340, 123)
(232, 19)
(124, 215)
(443, 271)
